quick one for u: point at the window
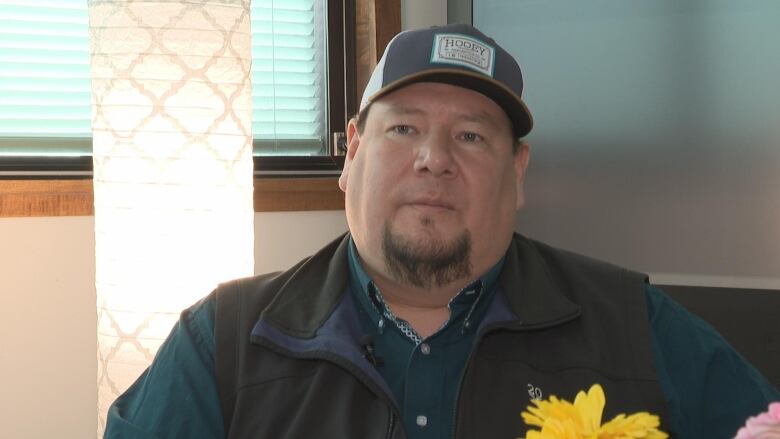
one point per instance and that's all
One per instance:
(45, 89)
(49, 175)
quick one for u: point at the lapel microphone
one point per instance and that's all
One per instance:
(369, 353)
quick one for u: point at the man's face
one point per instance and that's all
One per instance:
(432, 183)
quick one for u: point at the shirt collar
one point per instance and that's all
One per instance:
(371, 300)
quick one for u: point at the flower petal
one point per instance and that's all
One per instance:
(591, 406)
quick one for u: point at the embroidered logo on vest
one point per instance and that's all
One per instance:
(534, 392)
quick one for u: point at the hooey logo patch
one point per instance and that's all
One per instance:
(464, 51)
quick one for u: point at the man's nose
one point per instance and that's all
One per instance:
(435, 155)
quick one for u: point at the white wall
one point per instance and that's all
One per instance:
(48, 343)
(48, 318)
(283, 238)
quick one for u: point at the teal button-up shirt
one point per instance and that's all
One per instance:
(423, 374)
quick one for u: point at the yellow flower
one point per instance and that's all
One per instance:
(560, 419)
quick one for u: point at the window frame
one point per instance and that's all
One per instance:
(62, 186)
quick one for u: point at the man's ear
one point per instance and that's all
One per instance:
(522, 156)
(353, 141)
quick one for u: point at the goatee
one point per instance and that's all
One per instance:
(426, 264)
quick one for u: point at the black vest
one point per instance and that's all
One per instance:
(289, 365)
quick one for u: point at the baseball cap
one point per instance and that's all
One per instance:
(456, 54)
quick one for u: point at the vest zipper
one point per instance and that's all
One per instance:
(477, 340)
(457, 400)
(360, 376)
(390, 425)
(347, 365)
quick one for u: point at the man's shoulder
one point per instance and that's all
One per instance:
(556, 259)
(317, 278)
(258, 286)
(246, 298)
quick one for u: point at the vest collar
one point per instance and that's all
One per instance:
(306, 300)
(530, 290)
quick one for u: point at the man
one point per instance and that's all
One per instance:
(431, 318)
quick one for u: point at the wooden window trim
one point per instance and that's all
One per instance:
(32, 198)
(37, 198)
(376, 21)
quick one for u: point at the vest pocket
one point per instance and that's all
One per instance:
(326, 402)
(509, 386)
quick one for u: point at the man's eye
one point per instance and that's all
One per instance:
(471, 137)
(402, 129)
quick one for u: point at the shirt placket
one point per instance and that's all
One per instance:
(423, 378)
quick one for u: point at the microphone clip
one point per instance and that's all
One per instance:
(369, 353)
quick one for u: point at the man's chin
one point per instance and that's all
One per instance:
(423, 257)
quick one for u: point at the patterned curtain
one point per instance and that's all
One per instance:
(172, 145)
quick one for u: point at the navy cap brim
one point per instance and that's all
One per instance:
(513, 105)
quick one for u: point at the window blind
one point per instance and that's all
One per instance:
(44, 78)
(288, 77)
(45, 87)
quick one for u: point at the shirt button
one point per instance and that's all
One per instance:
(422, 421)
(425, 348)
